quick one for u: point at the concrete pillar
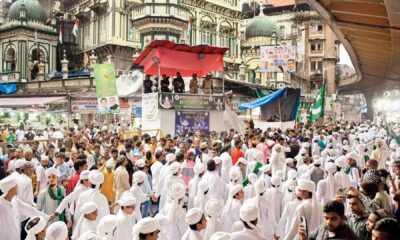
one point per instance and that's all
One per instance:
(369, 98)
(41, 67)
(64, 66)
(242, 72)
(92, 62)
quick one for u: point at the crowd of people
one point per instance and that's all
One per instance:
(178, 84)
(332, 180)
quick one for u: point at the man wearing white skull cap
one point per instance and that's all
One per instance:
(93, 194)
(107, 226)
(266, 214)
(197, 222)
(11, 208)
(126, 217)
(87, 221)
(230, 213)
(326, 188)
(351, 169)
(138, 179)
(285, 222)
(213, 210)
(379, 153)
(216, 184)
(249, 216)
(172, 177)
(35, 228)
(173, 211)
(199, 170)
(310, 208)
(147, 228)
(202, 195)
(275, 194)
(57, 231)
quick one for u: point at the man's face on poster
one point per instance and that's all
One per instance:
(104, 102)
(113, 101)
(291, 65)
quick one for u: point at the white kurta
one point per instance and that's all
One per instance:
(177, 226)
(192, 235)
(25, 189)
(10, 227)
(266, 218)
(306, 210)
(287, 217)
(41, 178)
(226, 167)
(277, 201)
(248, 234)
(84, 225)
(71, 199)
(156, 170)
(136, 191)
(93, 195)
(125, 224)
(217, 186)
(231, 214)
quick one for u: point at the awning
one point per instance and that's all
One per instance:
(265, 100)
(181, 58)
(29, 101)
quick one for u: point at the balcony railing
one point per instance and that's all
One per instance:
(160, 10)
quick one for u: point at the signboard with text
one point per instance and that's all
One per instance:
(278, 59)
(190, 102)
(106, 90)
(84, 105)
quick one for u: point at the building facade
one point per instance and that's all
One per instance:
(290, 25)
(28, 43)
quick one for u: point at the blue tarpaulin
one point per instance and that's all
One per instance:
(265, 100)
(8, 88)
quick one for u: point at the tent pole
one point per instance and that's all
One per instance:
(223, 83)
(279, 108)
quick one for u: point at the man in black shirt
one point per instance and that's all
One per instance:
(147, 84)
(334, 226)
(165, 83)
(179, 84)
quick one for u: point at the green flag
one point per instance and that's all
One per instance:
(317, 109)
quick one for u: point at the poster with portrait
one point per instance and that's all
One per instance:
(106, 89)
(278, 59)
(191, 121)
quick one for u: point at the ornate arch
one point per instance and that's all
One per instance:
(42, 49)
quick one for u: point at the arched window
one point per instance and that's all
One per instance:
(10, 60)
(282, 31)
(293, 30)
(38, 54)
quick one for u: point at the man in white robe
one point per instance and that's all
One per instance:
(266, 217)
(96, 178)
(199, 170)
(138, 179)
(249, 216)
(87, 221)
(202, 195)
(379, 153)
(287, 216)
(274, 193)
(11, 208)
(226, 165)
(174, 176)
(217, 187)
(310, 208)
(107, 227)
(231, 212)
(25, 188)
(126, 217)
(57, 231)
(174, 212)
(213, 209)
(197, 222)
(326, 189)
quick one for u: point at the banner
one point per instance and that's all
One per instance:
(278, 59)
(106, 90)
(317, 109)
(190, 102)
(149, 106)
(187, 121)
(84, 105)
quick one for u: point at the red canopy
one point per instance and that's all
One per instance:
(181, 58)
